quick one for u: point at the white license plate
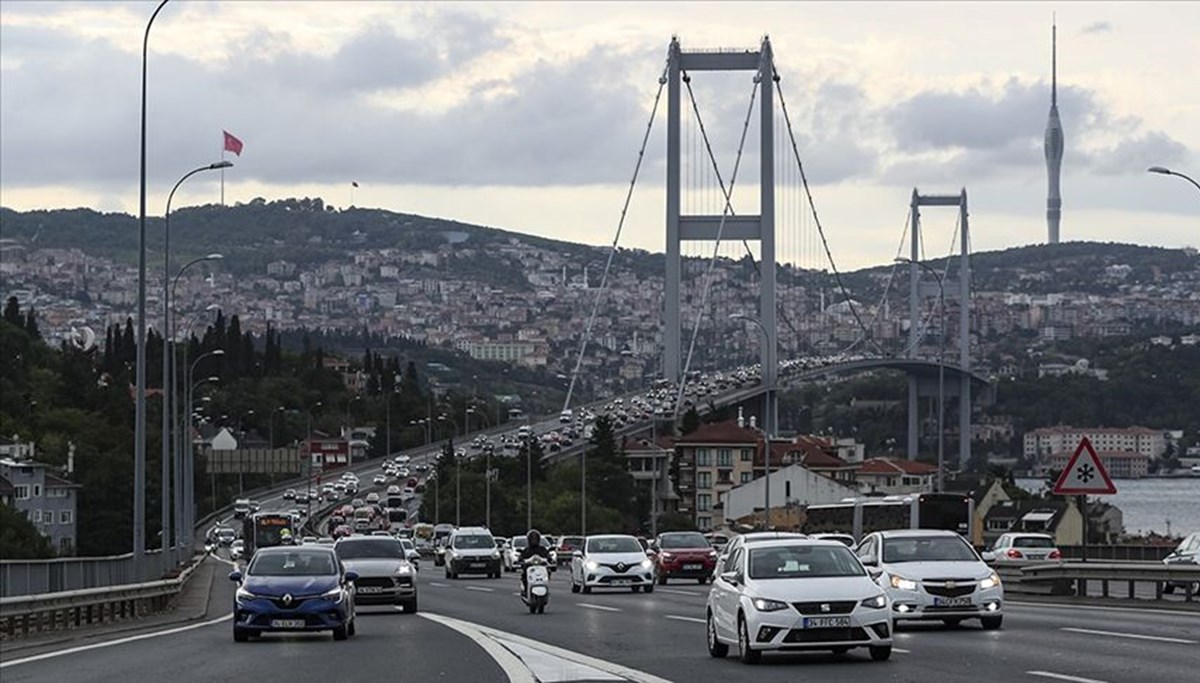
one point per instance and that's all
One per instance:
(827, 622)
(1035, 557)
(616, 581)
(287, 623)
(952, 602)
(692, 567)
(369, 589)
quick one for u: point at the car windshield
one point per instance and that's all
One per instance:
(803, 562)
(614, 545)
(687, 540)
(293, 563)
(520, 542)
(927, 549)
(1032, 542)
(406, 544)
(473, 542)
(383, 548)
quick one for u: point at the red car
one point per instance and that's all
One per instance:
(683, 555)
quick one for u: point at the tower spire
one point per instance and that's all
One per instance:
(1053, 145)
(1054, 60)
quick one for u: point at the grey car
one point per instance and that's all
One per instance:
(385, 576)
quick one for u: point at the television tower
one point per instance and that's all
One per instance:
(1054, 145)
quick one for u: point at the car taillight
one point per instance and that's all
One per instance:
(1014, 554)
(1054, 555)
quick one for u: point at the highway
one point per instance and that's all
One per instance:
(478, 630)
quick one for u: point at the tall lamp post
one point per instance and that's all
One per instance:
(457, 472)
(139, 419)
(189, 484)
(941, 368)
(1162, 170)
(308, 451)
(768, 378)
(180, 424)
(170, 463)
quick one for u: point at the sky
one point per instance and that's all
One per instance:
(530, 116)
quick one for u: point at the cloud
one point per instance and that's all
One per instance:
(1136, 154)
(1097, 27)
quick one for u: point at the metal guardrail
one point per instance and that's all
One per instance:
(1118, 553)
(30, 577)
(22, 615)
(1073, 579)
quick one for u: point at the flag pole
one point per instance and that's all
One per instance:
(222, 174)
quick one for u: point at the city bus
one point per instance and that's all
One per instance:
(860, 516)
(265, 530)
(397, 519)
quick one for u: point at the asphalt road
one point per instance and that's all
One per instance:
(477, 630)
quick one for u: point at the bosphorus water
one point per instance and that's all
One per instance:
(1149, 503)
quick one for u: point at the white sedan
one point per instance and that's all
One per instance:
(379, 480)
(611, 561)
(796, 594)
(931, 574)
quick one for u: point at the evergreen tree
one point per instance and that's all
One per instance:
(690, 421)
(12, 312)
(31, 326)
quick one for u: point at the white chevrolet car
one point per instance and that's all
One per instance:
(796, 594)
(611, 561)
(934, 575)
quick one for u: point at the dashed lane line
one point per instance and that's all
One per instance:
(439, 585)
(1064, 677)
(481, 589)
(694, 620)
(1160, 612)
(1133, 636)
(110, 643)
(678, 592)
(602, 608)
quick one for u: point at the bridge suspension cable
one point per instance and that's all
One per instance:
(612, 250)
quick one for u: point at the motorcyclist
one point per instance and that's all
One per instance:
(533, 548)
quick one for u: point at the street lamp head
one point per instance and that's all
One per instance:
(1163, 170)
(901, 259)
(221, 164)
(217, 352)
(212, 307)
(213, 257)
(212, 379)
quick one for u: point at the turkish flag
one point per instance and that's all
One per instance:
(232, 144)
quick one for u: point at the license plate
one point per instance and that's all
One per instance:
(827, 622)
(287, 623)
(692, 567)
(369, 589)
(615, 581)
(1035, 557)
(952, 602)
(478, 565)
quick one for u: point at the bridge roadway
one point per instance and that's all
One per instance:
(617, 636)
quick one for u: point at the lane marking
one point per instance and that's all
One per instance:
(599, 607)
(1063, 677)
(1102, 608)
(481, 588)
(110, 643)
(1133, 636)
(901, 650)
(510, 664)
(439, 585)
(694, 620)
(677, 592)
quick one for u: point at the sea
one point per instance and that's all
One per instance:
(1159, 505)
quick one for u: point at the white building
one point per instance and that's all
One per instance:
(793, 485)
(1047, 440)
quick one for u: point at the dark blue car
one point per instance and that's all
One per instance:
(294, 588)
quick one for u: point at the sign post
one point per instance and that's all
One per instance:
(1084, 475)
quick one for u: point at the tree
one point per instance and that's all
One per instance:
(19, 539)
(690, 421)
(12, 311)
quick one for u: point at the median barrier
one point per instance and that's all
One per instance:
(1077, 578)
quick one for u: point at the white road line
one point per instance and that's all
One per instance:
(901, 650)
(1101, 608)
(599, 607)
(1063, 677)
(439, 585)
(481, 588)
(694, 620)
(677, 592)
(512, 665)
(1133, 636)
(110, 643)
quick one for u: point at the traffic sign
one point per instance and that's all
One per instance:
(1084, 474)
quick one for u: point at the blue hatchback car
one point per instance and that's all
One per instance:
(294, 588)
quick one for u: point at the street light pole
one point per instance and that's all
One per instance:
(941, 369)
(189, 484)
(1166, 171)
(139, 420)
(308, 450)
(768, 379)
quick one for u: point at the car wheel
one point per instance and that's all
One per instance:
(587, 590)
(574, 586)
(992, 623)
(240, 635)
(649, 588)
(410, 606)
(636, 589)
(747, 654)
(341, 633)
(716, 648)
(352, 628)
(880, 653)
(952, 621)
(703, 580)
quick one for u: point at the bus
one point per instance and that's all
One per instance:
(265, 530)
(861, 516)
(397, 519)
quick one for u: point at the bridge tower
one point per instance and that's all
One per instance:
(964, 326)
(682, 228)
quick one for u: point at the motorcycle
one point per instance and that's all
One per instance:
(537, 585)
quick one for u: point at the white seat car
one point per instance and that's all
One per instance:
(611, 561)
(796, 594)
(931, 574)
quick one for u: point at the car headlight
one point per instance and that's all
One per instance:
(647, 564)
(591, 565)
(990, 581)
(765, 605)
(404, 569)
(667, 556)
(903, 583)
(335, 594)
(495, 554)
(243, 595)
(877, 602)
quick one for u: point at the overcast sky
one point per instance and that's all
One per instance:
(529, 116)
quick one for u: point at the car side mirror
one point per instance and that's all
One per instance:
(731, 577)
(351, 576)
(988, 556)
(578, 554)
(869, 561)
(235, 576)
(875, 573)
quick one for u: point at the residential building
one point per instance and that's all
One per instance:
(791, 487)
(1048, 440)
(712, 460)
(1119, 464)
(892, 476)
(649, 462)
(46, 499)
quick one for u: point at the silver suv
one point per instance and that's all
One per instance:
(472, 550)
